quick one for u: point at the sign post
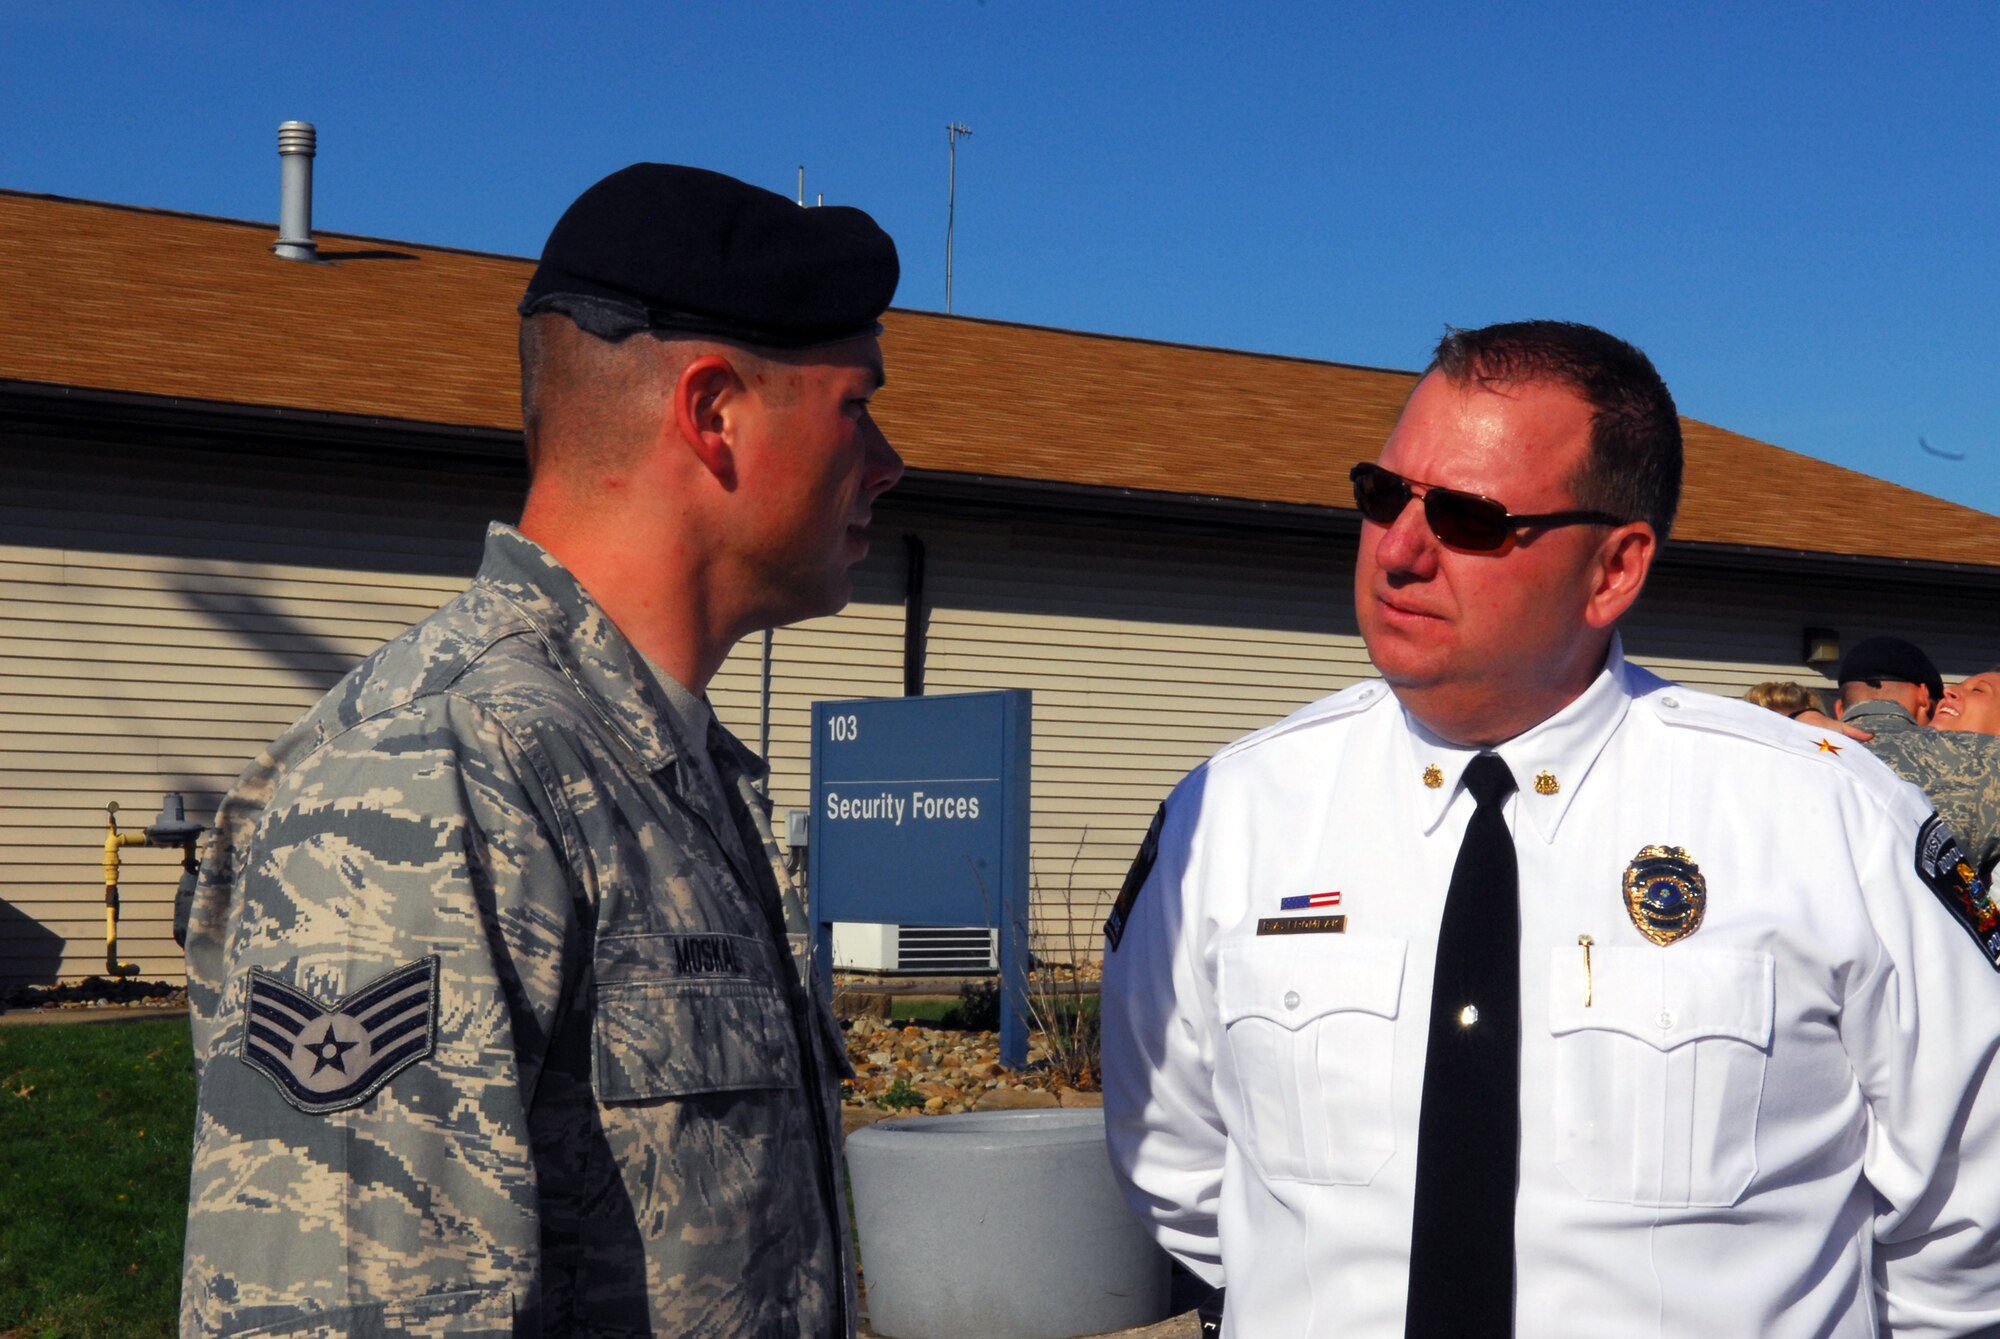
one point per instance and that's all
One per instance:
(920, 816)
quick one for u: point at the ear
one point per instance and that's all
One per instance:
(703, 398)
(1623, 559)
(1840, 709)
(1925, 708)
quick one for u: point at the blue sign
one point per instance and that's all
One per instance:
(920, 817)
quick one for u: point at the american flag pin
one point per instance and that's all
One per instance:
(1305, 900)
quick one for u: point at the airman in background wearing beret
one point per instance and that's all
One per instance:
(501, 1012)
(1890, 688)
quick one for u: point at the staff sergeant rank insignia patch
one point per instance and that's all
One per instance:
(1941, 863)
(1135, 879)
(330, 1057)
(1665, 894)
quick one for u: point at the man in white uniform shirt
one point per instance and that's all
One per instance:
(1529, 993)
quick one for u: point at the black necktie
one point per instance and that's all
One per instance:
(1462, 1239)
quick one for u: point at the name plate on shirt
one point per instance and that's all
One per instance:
(1302, 925)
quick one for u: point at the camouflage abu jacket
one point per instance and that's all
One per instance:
(495, 1033)
(1958, 772)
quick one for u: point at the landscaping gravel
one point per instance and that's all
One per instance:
(95, 992)
(910, 1070)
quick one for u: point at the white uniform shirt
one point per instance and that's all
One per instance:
(1773, 1127)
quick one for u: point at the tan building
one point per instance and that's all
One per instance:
(230, 476)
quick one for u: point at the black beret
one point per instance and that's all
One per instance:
(1877, 658)
(655, 246)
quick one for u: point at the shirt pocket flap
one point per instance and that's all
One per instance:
(1293, 979)
(1664, 997)
(683, 1014)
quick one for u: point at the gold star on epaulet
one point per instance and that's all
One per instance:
(1828, 746)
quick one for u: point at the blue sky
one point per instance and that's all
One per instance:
(1795, 208)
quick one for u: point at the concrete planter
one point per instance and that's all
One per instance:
(1000, 1225)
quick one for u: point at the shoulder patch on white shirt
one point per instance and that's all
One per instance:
(1944, 868)
(1135, 879)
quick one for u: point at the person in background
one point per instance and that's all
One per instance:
(1893, 675)
(1790, 700)
(1890, 688)
(1972, 705)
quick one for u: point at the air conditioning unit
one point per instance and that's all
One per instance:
(950, 950)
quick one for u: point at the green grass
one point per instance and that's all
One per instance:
(96, 1121)
(920, 1008)
(932, 1009)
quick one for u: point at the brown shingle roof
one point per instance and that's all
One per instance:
(162, 304)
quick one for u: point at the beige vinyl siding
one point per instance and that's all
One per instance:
(1725, 632)
(164, 615)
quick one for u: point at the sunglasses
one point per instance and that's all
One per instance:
(1462, 520)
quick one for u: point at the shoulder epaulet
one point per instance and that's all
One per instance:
(1677, 706)
(1349, 701)
(1690, 708)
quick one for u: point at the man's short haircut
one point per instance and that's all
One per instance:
(1900, 691)
(533, 349)
(571, 375)
(1634, 466)
(597, 383)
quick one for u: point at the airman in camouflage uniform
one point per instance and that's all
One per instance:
(1960, 773)
(502, 1012)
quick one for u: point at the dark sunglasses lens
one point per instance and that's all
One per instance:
(1466, 521)
(1379, 495)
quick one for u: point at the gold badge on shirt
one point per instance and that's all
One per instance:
(1665, 894)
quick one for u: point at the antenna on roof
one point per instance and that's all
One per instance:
(296, 145)
(952, 132)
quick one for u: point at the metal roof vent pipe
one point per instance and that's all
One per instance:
(296, 143)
